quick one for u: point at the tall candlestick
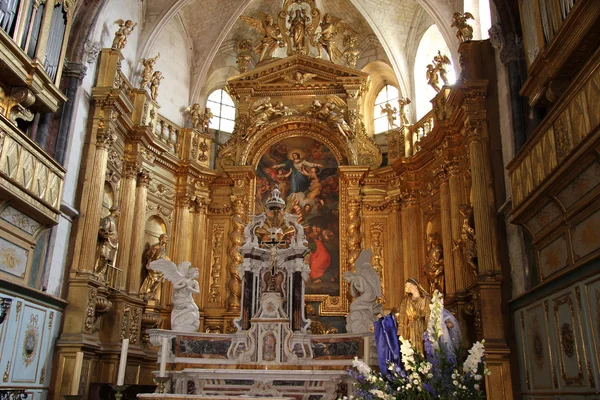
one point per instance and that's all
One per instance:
(163, 357)
(77, 373)
(123, 362)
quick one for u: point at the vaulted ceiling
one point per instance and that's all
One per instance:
(214, 27)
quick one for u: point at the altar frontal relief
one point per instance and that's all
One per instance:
(305, 171)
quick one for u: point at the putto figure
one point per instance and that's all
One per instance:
(440, 61)
(148, 64)
(185, 316)
(272, 35)
(404, 102)
(391, 115)
(154, 278)
(433, 79)
(125, 29)
(155, 83)
(465, 31)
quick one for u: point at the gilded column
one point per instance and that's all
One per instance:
(127, 208)
(241, 176)
(138, 227)
(483, 201)
(200, 239)
(455, 185)
(410, 236)
(353, 177)
(445, 207)
(236, 239)
(180, 233)
(86, 257)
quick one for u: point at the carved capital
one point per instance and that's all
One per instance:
(452, 167)
(442, 173)
(472, 130)
(143, 177)
(105, 138)
(131, 169)
(409, 199)
(74, 70)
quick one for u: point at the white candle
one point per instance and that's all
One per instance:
(367, 349)
(163, 357)
(77, 373)
(123, 362)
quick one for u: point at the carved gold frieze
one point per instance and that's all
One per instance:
(214, 295)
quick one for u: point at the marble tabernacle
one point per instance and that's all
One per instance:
(273, 352)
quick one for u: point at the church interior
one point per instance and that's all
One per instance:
(234, 192)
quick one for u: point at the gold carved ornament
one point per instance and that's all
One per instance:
(464, 30)
(125, 29)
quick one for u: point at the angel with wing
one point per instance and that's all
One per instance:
(330, 27)
(272, 35)
(185, 316)
(334, 110)
(439, 62)
(465, 31)
(125, 29)
(365, 287)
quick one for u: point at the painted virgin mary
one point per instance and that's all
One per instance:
(298, 180)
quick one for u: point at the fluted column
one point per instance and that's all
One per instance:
(138, 228)
(483, 200)
(445, 207)
(127, 208)
(85, 258)
(410, 236)
(456, 188)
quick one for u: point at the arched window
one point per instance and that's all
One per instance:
(388, 95)
(483, 18)
(431, 42)
(223, 109)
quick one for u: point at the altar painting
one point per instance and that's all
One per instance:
(305, 171)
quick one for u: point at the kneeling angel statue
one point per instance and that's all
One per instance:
(185, 316)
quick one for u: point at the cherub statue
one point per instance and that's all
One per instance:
(404, 102)
(108, 243)
(125, 29)
(440, 61)
(351, 53)
(432, 78)
(206, 117)
(148, 64)
(299, 78)
(391, 114)
(330, 27)
(434, 268)
(272, 35)
(185, 316)
(365, 286)
(155, 83)
(465, 31)
(332, 112)
(154, 278)
(467, 242)
(195, 113)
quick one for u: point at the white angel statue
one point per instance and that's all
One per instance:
(365, 286)
(185, 316)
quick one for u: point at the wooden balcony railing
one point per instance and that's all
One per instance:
(420, 130)
(29, 175)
